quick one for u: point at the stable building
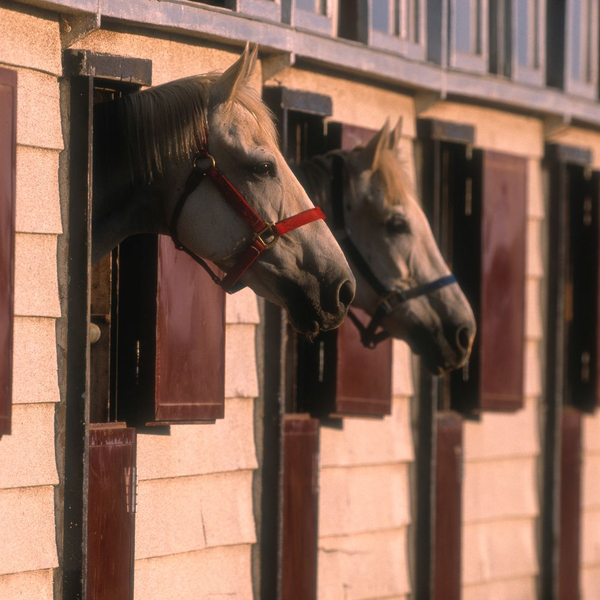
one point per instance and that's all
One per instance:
(245, 483)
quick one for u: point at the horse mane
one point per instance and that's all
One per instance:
(139, 134)
(315, 176)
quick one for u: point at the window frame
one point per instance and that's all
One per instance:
(583, 87)
(295, 16)
(505, 43)
(368, 34)
(472, 61)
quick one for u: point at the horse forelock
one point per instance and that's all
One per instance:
(394, 178)
(142, 132)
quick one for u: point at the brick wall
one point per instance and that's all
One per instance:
(30, 44)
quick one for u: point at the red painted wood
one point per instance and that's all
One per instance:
(300, 508)
(448, 506)
(190, 339)
(111, 516)
(8, 141)
(502, 325)
(364, 375)
(570, 505)
(353, 135)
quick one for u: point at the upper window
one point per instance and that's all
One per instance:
(468, 35)
(396, 25)
(516, 34)
(308, 14)
(572, 42)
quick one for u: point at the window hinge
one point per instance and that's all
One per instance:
(585, 367)
(132, 492)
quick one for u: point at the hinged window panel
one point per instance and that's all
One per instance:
(299, 535)
(171, 336)
(448, 506)
(111, 511)
(8, 166)
(502, 320)
(569, 550)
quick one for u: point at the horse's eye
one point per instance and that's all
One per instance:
(264, 169)
(397, 224)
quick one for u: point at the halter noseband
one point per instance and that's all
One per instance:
(389, 298)
(266, 234)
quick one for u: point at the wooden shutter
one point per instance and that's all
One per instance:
(581, 290)
(338, 376)
(111, 512)
(502, 320)
(569, 546)
(300, 508)
(448, 506)
(8, 161)
(171, 336)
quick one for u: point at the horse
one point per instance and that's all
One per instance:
(402, 280)
(198, 159)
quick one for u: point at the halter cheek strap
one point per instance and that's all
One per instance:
(265, 236)
(389, 298)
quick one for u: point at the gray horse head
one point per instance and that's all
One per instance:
(390, 232)
(145, 150)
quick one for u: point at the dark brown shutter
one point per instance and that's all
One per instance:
(448, 506)
(300, 508)
(338, 376)
(581, 291)
(8, 162)
(570, 505)
(171, 336)
(502, 320)
(364, 375)
(111, 510)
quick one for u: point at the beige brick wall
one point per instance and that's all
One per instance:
(195, 521)
(30, 44)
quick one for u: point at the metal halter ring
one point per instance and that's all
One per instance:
(203, 156)
(267, 236)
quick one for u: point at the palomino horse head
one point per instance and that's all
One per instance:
(163, 154)
(392, 251)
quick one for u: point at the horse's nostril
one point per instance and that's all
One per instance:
(463, 338)
(346, 293)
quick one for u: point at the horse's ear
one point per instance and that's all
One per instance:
(396, 135)
(372, 151)
(226, 87)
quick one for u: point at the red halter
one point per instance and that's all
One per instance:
(266, 234)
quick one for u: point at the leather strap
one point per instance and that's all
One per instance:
(265, 234)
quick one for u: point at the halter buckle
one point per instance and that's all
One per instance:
(202, 156)
(392, 300)
(267, 236)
